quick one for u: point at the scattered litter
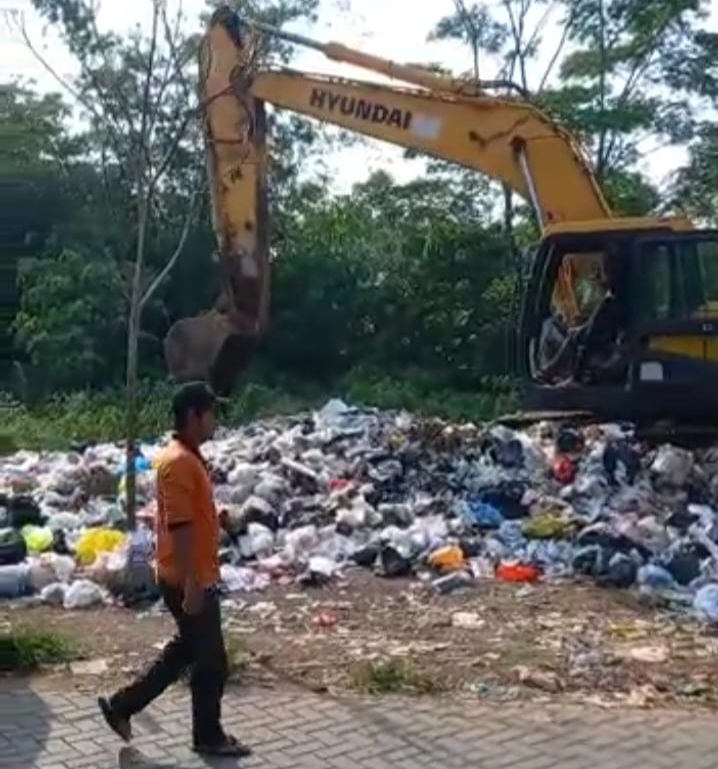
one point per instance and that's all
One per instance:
(466, 620)
(89, 667)
(309, 498)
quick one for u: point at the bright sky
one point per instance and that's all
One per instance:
(394, 29)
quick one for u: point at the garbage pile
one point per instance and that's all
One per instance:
(309, 497)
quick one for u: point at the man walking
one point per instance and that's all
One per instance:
(188, 531)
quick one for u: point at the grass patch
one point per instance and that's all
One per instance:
(57, 423)
(25, 650)
(392, 677)
(238, 655)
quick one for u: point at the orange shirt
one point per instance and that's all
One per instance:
(184, 496)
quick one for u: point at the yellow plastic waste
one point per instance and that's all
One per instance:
(449, 558)
(546, 526)
(96, 541)
(38, 539)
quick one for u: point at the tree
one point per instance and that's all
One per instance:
(72, 309)
(619, 86)
(696, 184)
(34, 150)
(135, 94)
(508, 34)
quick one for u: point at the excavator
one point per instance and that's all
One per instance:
(619, 315)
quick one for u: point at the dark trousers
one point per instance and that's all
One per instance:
(199, 645)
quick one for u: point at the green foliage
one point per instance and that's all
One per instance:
(400, 295)
(72, 312)
(615, 90)
(697, 183)
(394, 676)
(26, 649)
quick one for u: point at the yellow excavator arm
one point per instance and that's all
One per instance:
(506, 139)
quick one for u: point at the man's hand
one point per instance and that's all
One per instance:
(193, 601)
(224, 521)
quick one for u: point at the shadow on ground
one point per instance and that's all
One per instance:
(25, 722)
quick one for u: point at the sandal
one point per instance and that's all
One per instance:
(228, 746)
(118, 723)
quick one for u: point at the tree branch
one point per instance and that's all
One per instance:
(192, 210)
(167, 158)
(146, 98)
(471, 31)
(563, 39)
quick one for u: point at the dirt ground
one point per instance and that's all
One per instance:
(496, 642)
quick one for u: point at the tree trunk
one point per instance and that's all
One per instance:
(133, 333)
(131, 415)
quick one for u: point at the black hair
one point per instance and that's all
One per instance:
(192, 398)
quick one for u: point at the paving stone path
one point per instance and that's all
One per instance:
(291, 729)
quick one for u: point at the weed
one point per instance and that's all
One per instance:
(84, 417)
(26, 649)
(238, 655)
(392, 677)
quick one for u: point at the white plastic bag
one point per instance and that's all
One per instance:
(83, 594)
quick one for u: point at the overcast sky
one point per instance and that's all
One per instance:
(395, 29)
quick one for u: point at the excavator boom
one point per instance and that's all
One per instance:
(456, 120)
(447, 118)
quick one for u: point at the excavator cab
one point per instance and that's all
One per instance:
(622, 323)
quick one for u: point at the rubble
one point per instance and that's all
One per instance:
(310, 498)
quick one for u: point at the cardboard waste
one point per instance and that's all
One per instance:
(310, 498)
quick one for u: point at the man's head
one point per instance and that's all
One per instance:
(193, 408)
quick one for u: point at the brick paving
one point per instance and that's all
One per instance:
(292, 729)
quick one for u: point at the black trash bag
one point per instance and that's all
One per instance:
(12, 547)
(366, 556)
(344, 529)
(509, 454)
(619, 454)
(600, 534)
(471, 547)
(621, 572)
(391, 563)
(682, 520)
(59, 543)
(592, 560)
(506, 498)
(24, 511)
(569, 440)
(684, 563)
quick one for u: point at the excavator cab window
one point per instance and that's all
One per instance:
(679, 277)
(579, 309)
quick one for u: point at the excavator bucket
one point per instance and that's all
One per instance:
(217, 345)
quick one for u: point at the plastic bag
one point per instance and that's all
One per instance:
(38, 539)
(449, 558)
(12, 547)
(48, 568)
(258, 541)
(53, 594)
(83, 594)
(672, 465)
(95, 541)
(14, 582)
(237, 578)
(480, 514)
(705, 602)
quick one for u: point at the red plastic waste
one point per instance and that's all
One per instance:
(517, 572)
(564, 469)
